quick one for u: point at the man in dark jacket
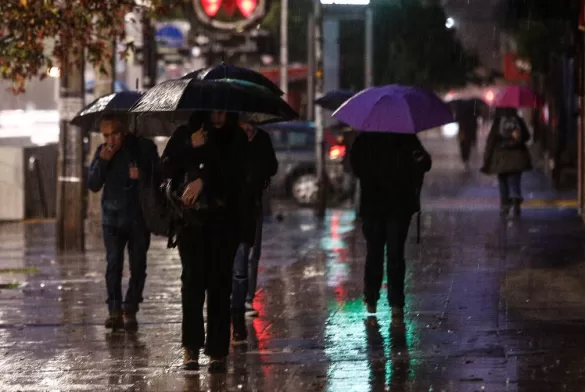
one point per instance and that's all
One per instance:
(261, 165)
(205, 160)
(390, 168)
(117, 167)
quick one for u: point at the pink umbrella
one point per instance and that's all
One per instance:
(516, 97)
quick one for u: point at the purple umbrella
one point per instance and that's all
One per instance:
(394, 109)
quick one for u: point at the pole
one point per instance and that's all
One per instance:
(149, 56)
(284, 47)
(311, 67)
(70, 184)
(369, 48)
(319, 139)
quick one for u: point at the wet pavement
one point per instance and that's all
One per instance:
(492, 305)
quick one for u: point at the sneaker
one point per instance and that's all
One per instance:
(115, 321)
(190, 359)
(218, 365)
(130, 322)
(250, 311)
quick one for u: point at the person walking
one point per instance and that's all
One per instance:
(390, 168)
(117, 167)
(507, 156)
(204, 162)
(261, 164)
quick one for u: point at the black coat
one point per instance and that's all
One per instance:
(261, 164)
(390, 176)
(218, 163)
(499, 160)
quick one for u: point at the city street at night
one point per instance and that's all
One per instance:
(492, 304)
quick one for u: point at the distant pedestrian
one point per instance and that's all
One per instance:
(507, 156)
(117, 167)
(390, 168)
(261, 165)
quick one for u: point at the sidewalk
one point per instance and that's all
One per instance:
(492, 305)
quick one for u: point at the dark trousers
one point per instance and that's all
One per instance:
(390, 232)
(137, 237)
(510, 188)
(246, 262)
(207, 256)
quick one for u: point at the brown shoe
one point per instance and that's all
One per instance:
(190, 359)
(115, 321)
(130, 322)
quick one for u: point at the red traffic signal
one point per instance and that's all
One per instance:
(245, 7)
(230, 14)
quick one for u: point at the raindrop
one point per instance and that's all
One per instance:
(59, 287)
(42, 285)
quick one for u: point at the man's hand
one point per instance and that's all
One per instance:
(134, 173)
(107, 152)
(192, 191)
(199, 138)
(516, 135)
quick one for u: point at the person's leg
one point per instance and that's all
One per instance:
(240, 278)
(253, 264)
(396, 234)
(504, 194)
(515, 181)
(223, 246)
(138, 244)
(375, 234)
(192, 250)
(115, 241)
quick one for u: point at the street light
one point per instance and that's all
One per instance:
(450, 23)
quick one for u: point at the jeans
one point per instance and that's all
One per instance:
(510, 189)
(137, 237)
(207, 256)
(390, 232)
(245, 279)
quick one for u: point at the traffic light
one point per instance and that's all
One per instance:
(230, 14)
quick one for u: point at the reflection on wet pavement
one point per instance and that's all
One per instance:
(491, 305)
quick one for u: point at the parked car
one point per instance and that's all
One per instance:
(294, 143)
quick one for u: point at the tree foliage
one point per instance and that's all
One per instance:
(414, 47)
(38, 34)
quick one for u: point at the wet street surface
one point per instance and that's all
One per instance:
(492, 304)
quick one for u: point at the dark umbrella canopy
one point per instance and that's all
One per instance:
(176, 100)
(334, 99)
(228, 71)
(108, 104)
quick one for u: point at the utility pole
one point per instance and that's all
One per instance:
(369, 48)
(284, 47)
(149, 54)
(319, 139)
(311, 67)
(70, 184)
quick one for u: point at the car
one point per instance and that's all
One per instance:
(294, 144)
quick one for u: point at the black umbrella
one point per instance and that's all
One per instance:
(108, 104)
(176, 100)
(228, 71)
(334, 99)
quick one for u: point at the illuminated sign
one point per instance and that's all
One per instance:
(230, 14)
(346, 2)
